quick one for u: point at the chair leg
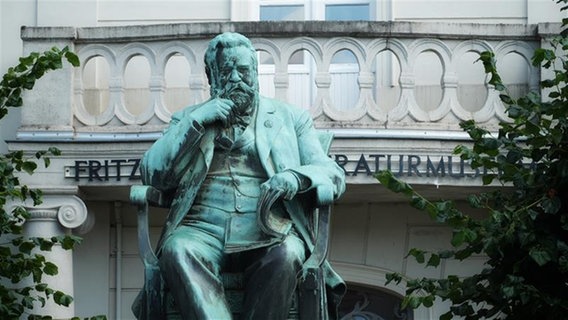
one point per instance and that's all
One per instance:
(312, 302)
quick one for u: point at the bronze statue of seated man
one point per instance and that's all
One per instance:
(220, 160)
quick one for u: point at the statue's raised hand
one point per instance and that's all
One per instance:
(215, 110)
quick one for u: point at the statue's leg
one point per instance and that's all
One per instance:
(189, 262)
(271, 279)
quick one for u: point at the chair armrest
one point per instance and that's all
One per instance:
(324, 199)
(142, 197)
(148, 194)
(323, 202)
(312, 302)
(319, 251)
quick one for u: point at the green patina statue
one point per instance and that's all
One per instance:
(221, 160)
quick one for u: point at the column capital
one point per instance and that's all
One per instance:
(69, 210)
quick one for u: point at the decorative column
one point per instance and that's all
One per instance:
(281, 85)
(57, 215)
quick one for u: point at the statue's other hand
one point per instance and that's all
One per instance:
(285, 181)
(214, 110)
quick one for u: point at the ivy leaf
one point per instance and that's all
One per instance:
(434, 261)
(45, 245)
(28, 302)
(41, 287)
(5, 251)
(417, 254)
(458, 238)
(508, 291)
(26, 247)
(551, 205)
(447, 316)
(67, 241)
(506, 99)
(62, 299)
(36, 195)
(54, 151)
(418, 202)
(474, 201)
(411, 302)
(50, 269)
(428, 301)
(387, 179)
(390, 277)
(29, 167)
(41, 301)
(72, 58)
(488, 178)
(540, 256)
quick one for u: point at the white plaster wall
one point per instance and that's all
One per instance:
(544, 11)
(13, 14)
(380, 234)
(481, 11)
(66, 12)
(170, 11)
(371, 239)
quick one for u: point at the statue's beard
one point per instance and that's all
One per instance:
(241, 94)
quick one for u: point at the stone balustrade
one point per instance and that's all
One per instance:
(350, 75)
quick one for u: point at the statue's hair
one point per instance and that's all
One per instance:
(216, 46)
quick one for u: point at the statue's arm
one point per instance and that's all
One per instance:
(316, 166)
(170, 157)
(163, 165)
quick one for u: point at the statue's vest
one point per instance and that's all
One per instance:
(230, 193)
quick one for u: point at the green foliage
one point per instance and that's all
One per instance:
(525, 232)
(20, 257)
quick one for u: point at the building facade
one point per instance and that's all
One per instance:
(391, 79)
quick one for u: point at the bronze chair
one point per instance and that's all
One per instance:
(310, 298)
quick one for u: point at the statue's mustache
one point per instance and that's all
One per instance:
(239, 87)
(240, 93)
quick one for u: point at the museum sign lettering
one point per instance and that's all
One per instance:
(104, 170)
(407, 165)
(402, 165)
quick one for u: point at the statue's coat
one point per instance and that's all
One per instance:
(285, 139)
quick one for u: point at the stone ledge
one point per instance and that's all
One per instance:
(272, 29)
(47, 33)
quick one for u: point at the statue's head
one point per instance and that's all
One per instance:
(231, 67)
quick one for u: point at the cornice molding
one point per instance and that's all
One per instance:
(372, 29)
